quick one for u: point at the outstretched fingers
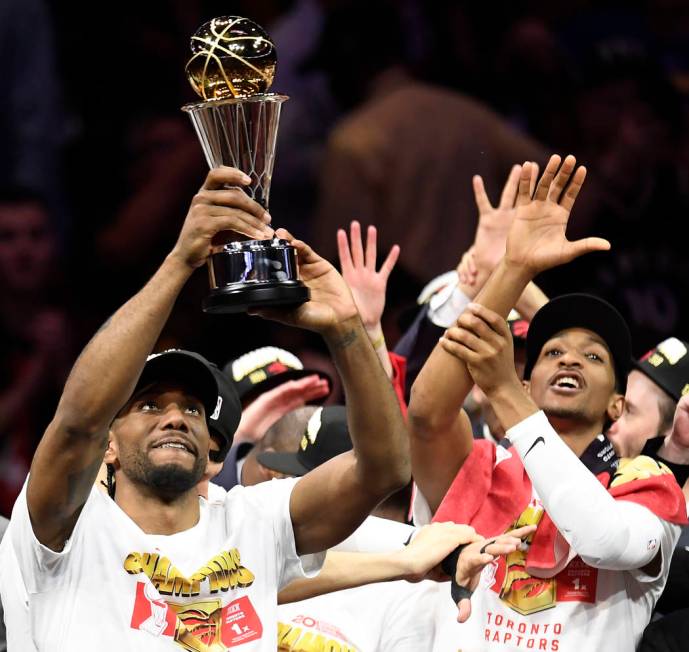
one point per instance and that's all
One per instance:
(562, 178)
(390, 262)
(482, 202)
(543, 186)
(343, 251)
(572, 192)
(585, 246)
(371, 248)
(509, 192)
(355, 244)
(525, 191)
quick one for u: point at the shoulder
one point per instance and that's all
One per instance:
(265, 496)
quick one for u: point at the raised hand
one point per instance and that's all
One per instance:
(331, 299)
(359, 271)
(219, 206)
(493, 226)
(537, 240)
(275, 403)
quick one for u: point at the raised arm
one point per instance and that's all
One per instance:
(617, 534)
(329, 503)
(441, 438)
(70, 453)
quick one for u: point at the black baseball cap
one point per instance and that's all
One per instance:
(326, 435)
(224, 419)
(188, 368)
(263, 369)
(667, 365)
(581, 311)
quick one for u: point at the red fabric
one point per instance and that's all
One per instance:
(491, 497)
(399, 379)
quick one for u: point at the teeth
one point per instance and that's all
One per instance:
(173, 445)
(567, 381)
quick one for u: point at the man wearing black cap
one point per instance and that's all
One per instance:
(655, 385)
(157, 568)
(599, 557)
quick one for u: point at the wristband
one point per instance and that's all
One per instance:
(449, 566)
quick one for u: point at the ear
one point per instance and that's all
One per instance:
(111, 453)
(615, 407)
(526, 384)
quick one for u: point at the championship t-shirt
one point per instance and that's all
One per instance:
(383, 617)
(581, 608)
(113, 587)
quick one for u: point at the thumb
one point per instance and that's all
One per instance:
(585, 246)
(464, 607)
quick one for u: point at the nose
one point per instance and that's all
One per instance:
(173, 419)
(570, 359)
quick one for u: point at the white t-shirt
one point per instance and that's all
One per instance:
(582, 609)
(384, 617)
(113, 587)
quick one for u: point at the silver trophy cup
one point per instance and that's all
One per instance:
(241, 133)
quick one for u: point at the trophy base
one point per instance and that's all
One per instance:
(239, 297)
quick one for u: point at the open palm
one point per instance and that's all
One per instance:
(537, 239)
(359, 271)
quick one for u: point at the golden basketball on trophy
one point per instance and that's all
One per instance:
(232, 67)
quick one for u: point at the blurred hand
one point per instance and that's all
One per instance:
(476, 556)
(359, 271)
(536, 240)
(493, 226)
(216, 208)
(430, 545)
(275, 403)
(331, 300)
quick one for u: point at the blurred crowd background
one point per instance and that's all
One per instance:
(394, 106)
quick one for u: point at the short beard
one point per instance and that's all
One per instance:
(168, 481)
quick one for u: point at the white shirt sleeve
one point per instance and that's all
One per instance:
(377, 535)
(271, 500)
(420, 509)
(41, 567)
(446, 306)
(604, 532)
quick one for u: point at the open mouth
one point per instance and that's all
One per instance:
(176, 444)
(567, 382)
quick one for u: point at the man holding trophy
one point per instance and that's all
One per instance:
(157, 568)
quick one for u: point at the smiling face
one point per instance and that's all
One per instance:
(574, 379)
(160, 439)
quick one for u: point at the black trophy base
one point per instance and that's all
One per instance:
(239, 297)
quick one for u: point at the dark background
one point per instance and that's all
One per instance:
(98, 158)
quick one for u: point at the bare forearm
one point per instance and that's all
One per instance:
(376, 426)
(531, 301)
(347, 570)
(105, 373)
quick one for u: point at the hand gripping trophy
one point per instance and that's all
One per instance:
(231, 68)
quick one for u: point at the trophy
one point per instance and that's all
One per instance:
(232, 66)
